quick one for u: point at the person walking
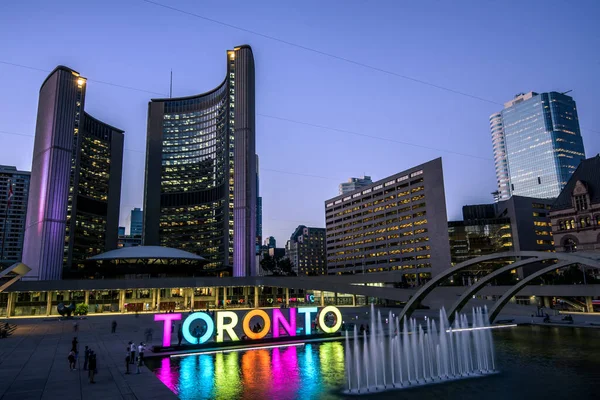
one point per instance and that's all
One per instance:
(74, 344)
(132, 350)
(127, 359)
(71, 358)
(114, 326)
(179, 335)
(86, 358)
(138, 364)
(92, 367)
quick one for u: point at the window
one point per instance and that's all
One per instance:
(584, 222)
(581, 203)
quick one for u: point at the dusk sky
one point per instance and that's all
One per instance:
(488, 49)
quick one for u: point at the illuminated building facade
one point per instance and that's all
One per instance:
(306, 251)
(200, 184)
(75, 189)
(12, 212)
(537, 145)
(395, 223)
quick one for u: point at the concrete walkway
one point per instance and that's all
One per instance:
(34, 365)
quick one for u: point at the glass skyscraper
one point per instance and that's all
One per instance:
(200, 190)
(537, 145)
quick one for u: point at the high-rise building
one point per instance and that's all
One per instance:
(75, 191)
(537, 145)
(575, 214)
(121, 231)
(270, 242)
(14, 191)
(137, 222)
(354, 184)
(306, 251)
(200, 184)
(396, 223)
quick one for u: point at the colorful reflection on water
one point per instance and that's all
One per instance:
(310, 371)
(557, 363)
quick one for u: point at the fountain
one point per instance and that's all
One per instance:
(418, 356)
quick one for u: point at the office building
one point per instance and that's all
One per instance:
(200, 183)
(136, 223)
(14, 191)
(75, 190)
(575, 214)
(270, 242)
(396, 223)
(121, 231)
(354, 184)
(129, 241)
(306, 251)
(470, 239)
(537, 145)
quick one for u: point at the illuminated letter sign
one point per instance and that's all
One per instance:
(226, 322)
(265, 329)
(222, 326)
(289, 326)
(210, 328)
(307, 311)
(338, 319)
(168, 320)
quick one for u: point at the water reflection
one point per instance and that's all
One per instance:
(540, 361)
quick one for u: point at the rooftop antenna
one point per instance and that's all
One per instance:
(568, 91)
(171, 86)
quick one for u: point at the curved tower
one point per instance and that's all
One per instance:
(75, 189)
(200, 183)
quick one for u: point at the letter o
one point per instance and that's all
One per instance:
(338, 322)
(246, 324)
(210, 327)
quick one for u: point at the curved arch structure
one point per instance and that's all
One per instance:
(200, 184)
(534, 256)
(516, 288)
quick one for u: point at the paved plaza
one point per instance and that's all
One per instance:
(34, 365)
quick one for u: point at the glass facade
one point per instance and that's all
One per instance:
(470, 240)
(193, 169)
(12, 216)
(537, 141)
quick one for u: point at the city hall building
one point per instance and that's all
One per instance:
(396, 223)
(200, 184)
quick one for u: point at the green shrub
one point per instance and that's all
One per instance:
(81, 309)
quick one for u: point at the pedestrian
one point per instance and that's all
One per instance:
(74, 345)
(75, 326)
(141, 349)
(197, 333)
(179, 335)
(132, 350)
(92, 367)
(362, 329)
(86, 358)
(71, 358)
(138, 364)
(114, 326)
(127, 360)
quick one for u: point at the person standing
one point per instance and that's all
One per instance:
(114, 326)
(71, 358)
(132, 350)
(74, 344)
(179, 335)
(92, 367)
(127, 359)
(139, 363)
(141, 349)
(86, 358)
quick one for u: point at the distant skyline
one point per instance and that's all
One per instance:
(492, 51)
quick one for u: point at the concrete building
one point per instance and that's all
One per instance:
(306, 251)
(136, 222)
(258, 210)
(75, 190)
(354, 184)
(575, 214)
(200, 184)
(537, 145)
(13, 212)
(395, 223)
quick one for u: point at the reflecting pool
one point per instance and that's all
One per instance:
(533, 362)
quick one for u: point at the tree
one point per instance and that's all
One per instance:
(285, 267)
(268, 264)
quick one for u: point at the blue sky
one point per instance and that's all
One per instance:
(490, 49)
